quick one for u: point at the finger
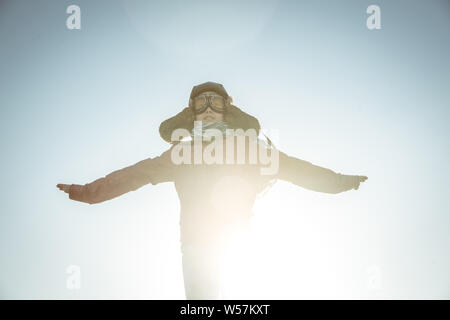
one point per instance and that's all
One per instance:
(63, 187)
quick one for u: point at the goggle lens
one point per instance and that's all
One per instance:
(202, 102)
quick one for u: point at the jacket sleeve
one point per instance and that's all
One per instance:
(151, 170)
(315, 178)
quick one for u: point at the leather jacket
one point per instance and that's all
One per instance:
(212, 196)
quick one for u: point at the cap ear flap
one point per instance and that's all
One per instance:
(238, 119)
(182, 120)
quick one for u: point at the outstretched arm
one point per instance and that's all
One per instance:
(312, 177)
(152, 170)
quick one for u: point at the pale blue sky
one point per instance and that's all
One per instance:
(78, 104)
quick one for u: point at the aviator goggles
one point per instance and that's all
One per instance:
(216, 102)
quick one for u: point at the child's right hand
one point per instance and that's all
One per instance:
(64, 187)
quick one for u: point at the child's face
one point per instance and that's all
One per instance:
(209, 115)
